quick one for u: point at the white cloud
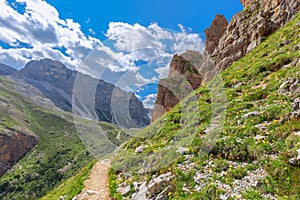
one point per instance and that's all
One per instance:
(127, 44)
(149, 101)
(44, 33)
(39, 32)
(130, 38)
(162, 72)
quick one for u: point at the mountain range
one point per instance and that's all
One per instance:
(56, 82)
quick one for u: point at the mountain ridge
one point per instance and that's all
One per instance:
(6, 70)
(56, 82)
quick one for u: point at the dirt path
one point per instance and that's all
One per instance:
(96, 187)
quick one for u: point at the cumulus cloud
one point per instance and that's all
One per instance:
(43, 32)
(127, 45)
(149, 101)
(162, 72)
(132, 55)
(130, 38)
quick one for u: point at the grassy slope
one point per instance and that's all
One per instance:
(261, 73)
(59, 145)
(75, 184)
(59, 148)
(70, 187)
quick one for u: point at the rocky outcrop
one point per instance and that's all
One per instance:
(214, 33)
(6, 70)
(182, 67)
(56, 82)
(13, 146)
(248, 28)
(157, 188)
(225, 43)
(246, 3)
(182, 80)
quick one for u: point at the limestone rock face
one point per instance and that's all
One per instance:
(13, 146)
(182, 80)
(248, 28)
(56, 82)
(214, 33)
(182, 67)
(246, 3)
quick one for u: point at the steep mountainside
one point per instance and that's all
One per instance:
(227, 43)
(16, 138)
(6, 70)
(56, 82)
(23, 125)
(250, 27)
(55, 151)
(244, 144)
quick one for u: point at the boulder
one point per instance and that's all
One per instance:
(251, 114)
(157, 188)
(140, 149)
(123, 190)
(157, 184)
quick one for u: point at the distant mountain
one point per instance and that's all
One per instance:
(6, 70)
(56, 82)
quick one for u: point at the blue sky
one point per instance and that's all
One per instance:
(129, 43)
(95, 14)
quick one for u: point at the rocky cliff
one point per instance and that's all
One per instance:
(214, 33)
(56, 82)
(14, 146)
(225, 43)
(16, 139)
(250, 27)
(183, 78)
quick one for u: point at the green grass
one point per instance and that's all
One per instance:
(262, 72)
(72, 186)
(59, 154)
(59, 146)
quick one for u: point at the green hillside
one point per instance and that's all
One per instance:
(59, 146)
(59, 154)
(258, 136)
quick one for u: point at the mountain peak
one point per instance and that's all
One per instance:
(44, 67)
(56, 82)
